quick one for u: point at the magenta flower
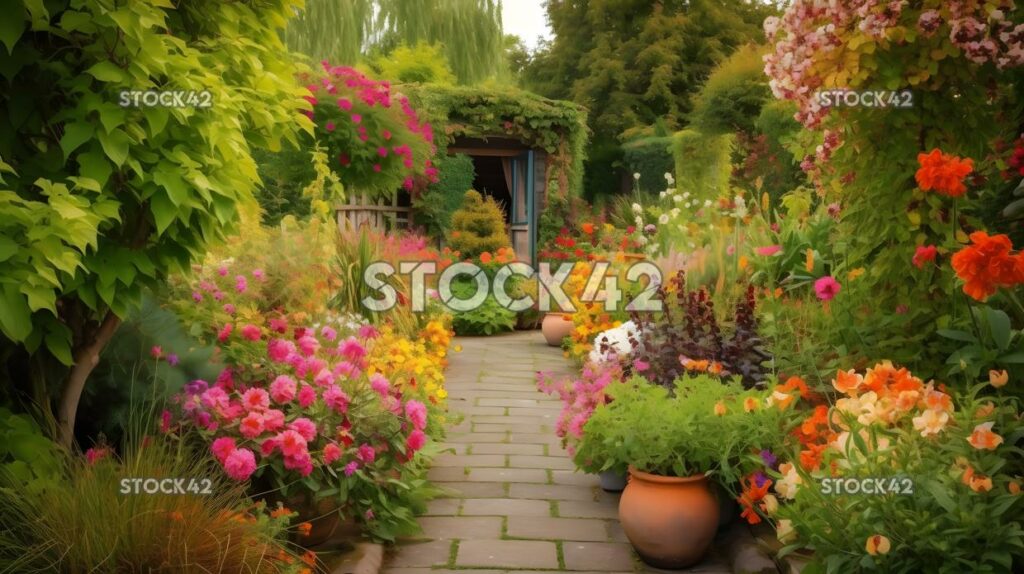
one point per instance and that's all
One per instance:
(330, 126)
(641, 366)
(366, 453)
(356, 118)
(368, 332)
(165, 421)
(241, 283)
(252, 425)
(351, 468)
(96, 453)
(197, 296)
(826, 288)
(336, 399)
(417, 413)
(273, 420)
(415, 441)
(156, 352)
(332, 452)
(229, 309)
(258, 274)
(222, 447)
(240, 464)
(304, 427)
(377, 167)
(382, 151)
(291, 442)
(345, 104)
(256, 400)
(352, 349)
(307, 396)
(379, 384)
(251, 332)
(173, 360)
(328, 333)
(222, 271)
(224, 333)
(308, 345)
(768, 250)
(282, 390)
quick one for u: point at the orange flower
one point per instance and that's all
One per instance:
(877, 544)
(177, 516)
(751, 495)
(847, 382)
(998, 378)
(987, 264)
(977, 482)
(943, 173)
(811, 458)
(983, 438)
(985, 410)
(796, 384)
(304, 529)
(309, 558)
(749, 404)
(720, 409)
(587, 228)
(485, 257)
(279, 512)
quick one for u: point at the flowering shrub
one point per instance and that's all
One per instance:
(377, 139)
(580, 396)
(960, 455)
(309, 411)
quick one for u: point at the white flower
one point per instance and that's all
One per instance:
(668, 176)
(661, 195)
(686, 194)
(677, 198)
(789, 483)
(636, 176)
(689, 204)
(663, 219)
(639, 221)
(675, 212)
(637, 209)
(642, 240)
(707, 203)
(616, 342)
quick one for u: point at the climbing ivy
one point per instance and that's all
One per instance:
(557, 127)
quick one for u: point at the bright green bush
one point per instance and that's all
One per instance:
(478, 226)
(422, 64)
(489, 318)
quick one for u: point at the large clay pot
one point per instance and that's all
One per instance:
(556, 326)
(670, 521)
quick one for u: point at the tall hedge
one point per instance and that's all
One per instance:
(652, 159)
(703, 162)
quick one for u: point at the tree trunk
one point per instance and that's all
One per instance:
(86, 358)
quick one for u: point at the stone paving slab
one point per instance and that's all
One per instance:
(549, 528)
(608, 556)
(505, 507)
(507, 553)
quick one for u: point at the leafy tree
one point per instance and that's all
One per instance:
(345, 31)
(99, 200)
(733, 95)
(478, 226)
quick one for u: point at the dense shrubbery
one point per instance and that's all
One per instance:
(478, 226)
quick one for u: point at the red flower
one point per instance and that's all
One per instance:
(987, 264)
(943, 173)
(923, 254)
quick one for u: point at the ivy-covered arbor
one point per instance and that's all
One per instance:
(533, 144)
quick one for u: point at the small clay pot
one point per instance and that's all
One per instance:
(612, 480)
(556, 326)
(670, 521)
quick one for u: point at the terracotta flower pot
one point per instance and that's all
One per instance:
(556, 326)
(670, 521)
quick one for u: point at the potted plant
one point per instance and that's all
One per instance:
(555, 327)
(670, 508)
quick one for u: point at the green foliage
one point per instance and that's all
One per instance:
(732, 97)
(469, 32)
(433, 209)
(690, 438)
(478, 226)
(28, 459)
(703, 163)
(652, 159)
(283, 175)
(100, 201)
(559, 128)
(422, 64)
(489, 318)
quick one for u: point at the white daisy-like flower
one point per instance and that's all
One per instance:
(637, 208)
(636, 176)
(677, 198)
(663, 219)
(675, 212)
(707, 203)
(639, 220)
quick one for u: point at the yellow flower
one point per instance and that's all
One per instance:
(877, 544)
(809, 263)
(855, 273)
(458, 348)
(442, 394)
(720, 409)
(784, 531)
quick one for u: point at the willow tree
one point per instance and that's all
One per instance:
(344, 31)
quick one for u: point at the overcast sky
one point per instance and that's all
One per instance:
(526, 19)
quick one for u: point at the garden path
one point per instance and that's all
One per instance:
(515, 504)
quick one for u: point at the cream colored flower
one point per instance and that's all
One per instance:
(784, 531)
(931, 422)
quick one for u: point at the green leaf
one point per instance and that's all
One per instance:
(15, 317)
(1012, 358)
(75, 135)
(941, 496)
(60, 347)
(163, 210)
(12, 25)
(956, 335)
(107, 71)
(115, 145)
(8, 247)
(999, 325)
(168, 176)
(94, 165)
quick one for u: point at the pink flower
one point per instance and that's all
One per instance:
(173, 360)
(282, 390)
(218, 295)
(415, 441)
(368, 332)
(826, 288)
(268, 447)
(255, 400)
(924, 254)
(330, 126)
(328, 333)
(222, 447)
(240, 464)
(279, 326)
(165, 421)
(215, 398)
(382, 151)
(323, 378)
(241, 284)
(252, 425)
(308, 345)
(386, 134)
(279, 349)
(768, 250)
(332, 452)
(336, 399)
(344, 104)
(273, 420)
(307, 396)
(251, 332)
(197, 296)
(222, 271)
(291, 442)
(641, 366)
(577, 423)
(229, 309)
(356, 118)
(366, 453)
(377, 167)
(156, 352)
(96, 453)
(380, 384)
(352, 349)
(224, 333)
(417, 414)
(304, 427)
(302, 463)
(351, 468)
